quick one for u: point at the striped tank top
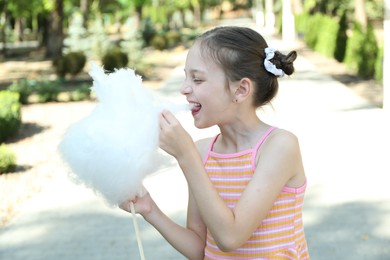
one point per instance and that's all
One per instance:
(281, 234)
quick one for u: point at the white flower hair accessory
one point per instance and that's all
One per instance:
(269, 66)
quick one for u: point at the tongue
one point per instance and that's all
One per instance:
(196, 108)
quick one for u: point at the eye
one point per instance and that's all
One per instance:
(197, 80)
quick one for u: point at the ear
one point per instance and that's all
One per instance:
(243, 90)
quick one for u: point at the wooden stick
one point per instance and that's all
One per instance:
(137, 233)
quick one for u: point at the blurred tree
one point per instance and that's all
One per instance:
(84, 9)
(3, 25)
(297, 6)
(386, 58)
(360, 13)
(55, 34)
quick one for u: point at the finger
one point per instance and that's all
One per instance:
(162, 122)
(169, 117)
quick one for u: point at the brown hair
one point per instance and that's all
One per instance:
(239, 51)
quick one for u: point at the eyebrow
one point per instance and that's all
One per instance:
(194, 71)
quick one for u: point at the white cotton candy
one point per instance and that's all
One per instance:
(116, 146)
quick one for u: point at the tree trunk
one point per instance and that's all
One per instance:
(84, 8)
(197, 9)
(18, 29)
(297, 6)
(386, 58)
(55, 34)
(259, 14)
(288, 26)
(360, 13)
(3, 34)
(269, 16)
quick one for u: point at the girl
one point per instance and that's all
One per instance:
(246, 185)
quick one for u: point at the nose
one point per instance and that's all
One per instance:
(185, 88)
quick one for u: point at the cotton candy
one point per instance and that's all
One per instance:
(116, 146)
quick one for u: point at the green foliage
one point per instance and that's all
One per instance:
(362, 51)
(114, 59)
(158, 42)
(342, 38)
(379, 65)
(71, 63)
(7, 159)
(173, 38)
(312, 30)
(81, 93)
(24, 87)
(320, 32)
(189, 35)
(10, 114)
(148, 31)
(132, 43)
(47, 91)
(328, 7)
(301, 23)
(327, 35)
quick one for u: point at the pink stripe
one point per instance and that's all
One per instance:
(229, 155)
(293, 207)
(259, 144)
(230, 195)
(212, 160)
(232, 187)
(232, 179)
(278, 219)
(228, 168)
(266, 248)
(271, 239)
(300, 189)
(268, 231)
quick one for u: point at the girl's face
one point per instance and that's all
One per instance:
(206, 89)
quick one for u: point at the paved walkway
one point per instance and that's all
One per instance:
(345, 145)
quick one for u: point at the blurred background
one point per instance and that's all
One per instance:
(45, 50)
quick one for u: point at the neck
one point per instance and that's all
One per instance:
(243, 134)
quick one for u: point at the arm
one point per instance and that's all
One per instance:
(179, 237)
(278, 163)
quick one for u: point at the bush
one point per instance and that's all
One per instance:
(148, 31)
(326, 35)
(301, 24)
(362, 51)
(189, 35)
(312, 30)
(10, 114)
(342, 38)
(320, 32)
(172, 38)
(7, 159)
(71, 63)
(47, 91)
(379, 65)
(24, 87)
(81, 93)
(114, 59)
(158, 42)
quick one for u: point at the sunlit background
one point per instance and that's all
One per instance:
(337, 103)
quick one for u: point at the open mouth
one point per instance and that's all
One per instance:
(195, 107)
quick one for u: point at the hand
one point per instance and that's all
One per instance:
(143, 205)
(174, 139)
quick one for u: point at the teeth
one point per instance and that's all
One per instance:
(193, 105)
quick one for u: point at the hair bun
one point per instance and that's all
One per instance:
(286, 62)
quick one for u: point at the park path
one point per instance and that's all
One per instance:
(345, 147)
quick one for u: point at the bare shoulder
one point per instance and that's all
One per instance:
(282, 139)
(281, 145)
(281, 151)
